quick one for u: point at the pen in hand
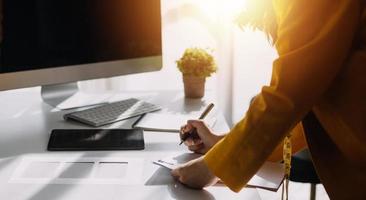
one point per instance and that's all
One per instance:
(193, 133)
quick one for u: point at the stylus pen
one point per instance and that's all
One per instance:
(193, 133)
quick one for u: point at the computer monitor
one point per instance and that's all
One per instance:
(50, 43)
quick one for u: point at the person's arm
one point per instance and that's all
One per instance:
(314, 38)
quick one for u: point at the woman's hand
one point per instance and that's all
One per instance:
(207, 139)
(195, 174)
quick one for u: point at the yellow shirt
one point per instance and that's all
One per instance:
(321, 67)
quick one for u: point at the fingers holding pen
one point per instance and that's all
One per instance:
(202, 130)
(186, 128)
(205, 133)
(190, 140)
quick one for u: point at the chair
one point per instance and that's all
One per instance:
(302, 170)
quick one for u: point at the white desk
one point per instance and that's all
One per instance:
(25, 124)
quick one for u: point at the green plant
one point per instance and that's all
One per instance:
(197, 62)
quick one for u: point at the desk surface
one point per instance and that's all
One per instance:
(26, 122)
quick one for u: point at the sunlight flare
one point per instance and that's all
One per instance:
(221, 10)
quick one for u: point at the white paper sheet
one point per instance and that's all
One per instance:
(167, 122)
(269, 176)
(79, 170)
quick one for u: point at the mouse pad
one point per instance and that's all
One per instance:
(96, 139)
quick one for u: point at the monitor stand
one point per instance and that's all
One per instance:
(68, 96)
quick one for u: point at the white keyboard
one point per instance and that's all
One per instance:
(112, 112)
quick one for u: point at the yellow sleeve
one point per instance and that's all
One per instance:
(298, 143)
(314, 38)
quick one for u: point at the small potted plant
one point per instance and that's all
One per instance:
(196, 64)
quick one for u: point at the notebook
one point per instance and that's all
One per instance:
(167, 122)
(270, 176)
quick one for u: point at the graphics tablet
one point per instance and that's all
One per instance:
(96, 139)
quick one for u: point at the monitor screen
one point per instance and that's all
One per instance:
(39, 34)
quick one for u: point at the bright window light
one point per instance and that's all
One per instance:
(221, 10)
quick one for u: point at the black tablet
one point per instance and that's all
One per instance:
(96, 139)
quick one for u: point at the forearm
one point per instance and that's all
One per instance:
(241, 153)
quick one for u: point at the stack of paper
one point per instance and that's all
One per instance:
(269, 176)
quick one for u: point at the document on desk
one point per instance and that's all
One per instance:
(41, 169)
(270, 176)
(167, 122)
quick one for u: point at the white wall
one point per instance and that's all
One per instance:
(253, 57)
